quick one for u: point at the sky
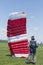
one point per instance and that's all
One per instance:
(34, 10)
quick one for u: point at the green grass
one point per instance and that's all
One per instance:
(5, 59)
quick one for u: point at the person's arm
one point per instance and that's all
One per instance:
(36, 45)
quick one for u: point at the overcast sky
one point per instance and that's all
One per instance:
(34, 10)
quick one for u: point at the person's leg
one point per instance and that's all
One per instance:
(28, 59)
(34, 57)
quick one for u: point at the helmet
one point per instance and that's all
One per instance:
(32, 38)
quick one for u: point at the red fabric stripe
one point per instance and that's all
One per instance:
(16, 31)
(15, 34)
(17, 21)
(19, 47)
(16, 27)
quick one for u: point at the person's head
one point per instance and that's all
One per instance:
(32, 38)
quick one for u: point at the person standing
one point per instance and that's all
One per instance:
(32, 45)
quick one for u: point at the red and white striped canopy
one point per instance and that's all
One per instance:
(17, 34)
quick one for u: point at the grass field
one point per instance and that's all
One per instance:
(6, 59)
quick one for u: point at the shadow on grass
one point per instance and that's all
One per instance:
(9, 55)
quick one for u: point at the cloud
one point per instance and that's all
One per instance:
(31, 17)
(3, 34)
(35, 28)
(3, 29)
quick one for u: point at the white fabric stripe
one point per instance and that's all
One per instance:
(17, 39)
(18, 36)
(16, 15)
(20, 55)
